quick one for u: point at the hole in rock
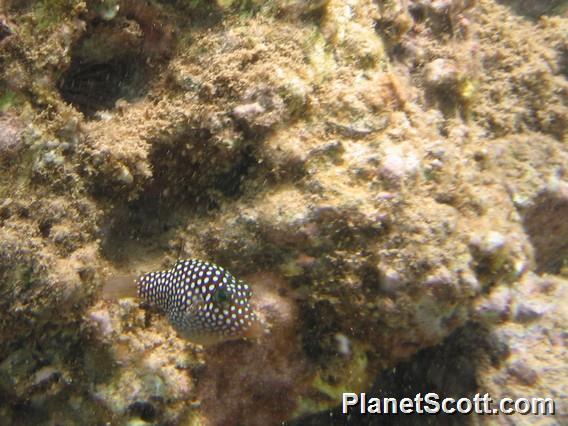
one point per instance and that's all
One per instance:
(94, 86)
(144, 410)
(115, 59)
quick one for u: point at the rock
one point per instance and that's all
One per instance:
(488, 244)
(496, 307)
(248, 112)
(45, 375)
(526, 312)
(441, 74)
(535, 360)
(398, 163)
(11, 137)
(545, 224)
(101, 319)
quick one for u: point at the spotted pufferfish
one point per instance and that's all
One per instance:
(204, 302)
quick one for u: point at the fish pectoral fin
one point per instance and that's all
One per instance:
(195, 306)
(191, 310)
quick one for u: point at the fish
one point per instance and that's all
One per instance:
(204, 302)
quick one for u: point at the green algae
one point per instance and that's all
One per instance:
(321, 58)
(330, 383)
(48, 13)
(7, 100)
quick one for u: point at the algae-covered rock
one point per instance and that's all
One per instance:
(388, 176)
(534, 365)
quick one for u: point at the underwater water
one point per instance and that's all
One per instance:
(283, 212)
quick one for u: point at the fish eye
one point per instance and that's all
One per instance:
(221, 296)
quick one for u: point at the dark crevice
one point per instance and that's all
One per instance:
(535, 9)
(115, 59)
(45, 228)
(5, 30)
(191, 177)
(449, 369)
(96, 86)
(196, 170)
(144, 410)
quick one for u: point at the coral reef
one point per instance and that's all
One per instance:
(529, 336)
(389, 176)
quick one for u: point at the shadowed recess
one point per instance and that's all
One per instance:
(449, 369)
(96, 86)
(545, 223)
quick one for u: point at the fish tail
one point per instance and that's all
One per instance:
(119, 287)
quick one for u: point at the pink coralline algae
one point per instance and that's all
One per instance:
(11, 130)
